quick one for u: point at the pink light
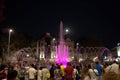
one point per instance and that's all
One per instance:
(62, 49)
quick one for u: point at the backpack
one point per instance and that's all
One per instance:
(48, 74)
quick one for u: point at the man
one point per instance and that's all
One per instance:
(52, 72)
(69, 72)
(44, 72)
(99, 69)
(12, 74)
(114, 67)
(32, 72)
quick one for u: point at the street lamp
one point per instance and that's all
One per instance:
(53, 41)
(77, 44)
(10, 31)
(67, 31)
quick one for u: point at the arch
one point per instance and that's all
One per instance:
(82, 50)
(87, 49)
(22, 53)
(105, 52)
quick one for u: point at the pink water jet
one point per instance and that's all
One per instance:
(62, 49)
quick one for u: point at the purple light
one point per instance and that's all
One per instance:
(62, 49)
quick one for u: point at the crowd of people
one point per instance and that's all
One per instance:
(85, 70)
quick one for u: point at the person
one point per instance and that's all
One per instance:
(84, 74)
(39, 74)
(44, 72)
(57, 73)
(17, 68)
(114, 67)
(22, 73)
(52, 72)
(78, 67)
(32, 72)
(69, 72)
(99, 69)
(62, 69)
(119, 69)
(75, 73)
(12, 74)
(93, 73)
(110, 76)
(2, 72)
(108, 67)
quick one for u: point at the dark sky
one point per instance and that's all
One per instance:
(99, 18)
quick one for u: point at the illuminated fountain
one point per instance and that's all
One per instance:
(62, 49)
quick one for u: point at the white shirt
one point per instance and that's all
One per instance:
(75, 72)
(115, 68)
(44, 72)
(108, 68)
(93, 74)
(31, 73)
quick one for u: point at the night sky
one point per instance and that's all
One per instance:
(98, 18)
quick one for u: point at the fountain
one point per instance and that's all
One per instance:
(62, 49)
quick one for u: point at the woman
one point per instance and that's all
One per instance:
(57, 73)
(93, 73)
(84, 74)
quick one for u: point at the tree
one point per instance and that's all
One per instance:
(18, 41)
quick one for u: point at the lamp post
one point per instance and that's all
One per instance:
(10, 31)
(67, 31)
